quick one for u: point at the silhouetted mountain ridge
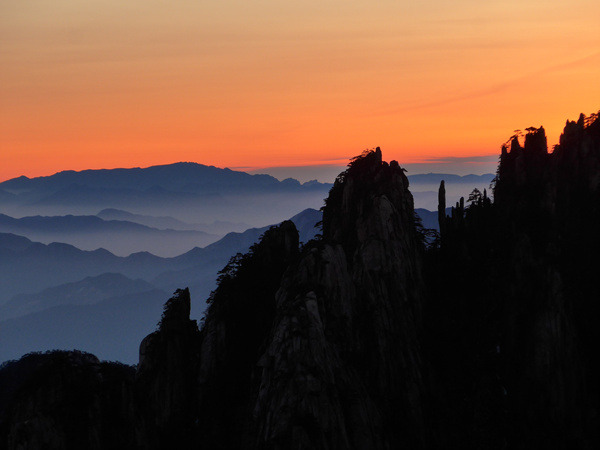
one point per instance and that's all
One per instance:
(187, 192)
(179, 177)
(166, 222)
(118, 236)
(36, 277)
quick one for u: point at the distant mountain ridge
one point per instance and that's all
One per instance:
(186, 192)
(182, 176)
(118, 236)
(193, 193)
(166, 222)
(90, 290)
(57, 290)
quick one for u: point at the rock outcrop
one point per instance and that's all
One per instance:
(343, 365)
(166, 377)
(67, 400)
(521, 366)
(235, 333)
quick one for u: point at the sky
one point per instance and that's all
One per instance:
(274, 84)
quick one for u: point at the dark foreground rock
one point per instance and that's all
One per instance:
(67, 400)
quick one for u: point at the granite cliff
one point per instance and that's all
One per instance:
(513, 317)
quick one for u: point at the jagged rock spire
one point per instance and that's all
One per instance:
(442, 208)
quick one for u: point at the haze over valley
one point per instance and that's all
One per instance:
(84, 247)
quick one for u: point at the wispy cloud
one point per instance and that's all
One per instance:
(490, 90)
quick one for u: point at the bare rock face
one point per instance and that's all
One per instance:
(520, 369)
(236, 330)
(165, 379)
(343, 366)
(550, 199)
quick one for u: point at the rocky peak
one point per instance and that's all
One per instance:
(342, 368)
(535, 141)
(176, 312)
(165, 379)
(525, 314)
(363, 200)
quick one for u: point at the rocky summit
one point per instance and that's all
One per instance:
(378, 334)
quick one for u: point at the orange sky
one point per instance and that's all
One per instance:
(107, 83)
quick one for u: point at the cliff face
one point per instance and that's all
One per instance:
(547, 201)
(236, 330)
(526, 316)
(165, 379)
(343, 368)
(319, 349)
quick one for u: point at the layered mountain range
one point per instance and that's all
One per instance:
(58, 296)
(374, 335)
(188, 192)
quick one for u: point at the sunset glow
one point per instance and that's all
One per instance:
(106, 83)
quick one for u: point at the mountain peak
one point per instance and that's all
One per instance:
(368, 184)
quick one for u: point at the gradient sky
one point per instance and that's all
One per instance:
(113, 83)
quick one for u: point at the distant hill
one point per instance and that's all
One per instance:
(7, 196)
(111, 328)
(180, 177)
(306, 222)
(13, 242)
(166, 222)
(88, 291)
(187, 192)
(118, 236)
(104, 303)
(197, 260)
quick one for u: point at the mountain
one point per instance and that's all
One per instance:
(90, 290)
(27, 267)
(306, 223)
(181, 177)
(117, 236)
(333, 340)
(110, 328)
(165, 222)
(6, 196)
(288, 335)
(35, 266)
(430, 218)
(13, 243)
(368, 337)
(196, 276)
(512, 317)
(186, 192)
(65, 297)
